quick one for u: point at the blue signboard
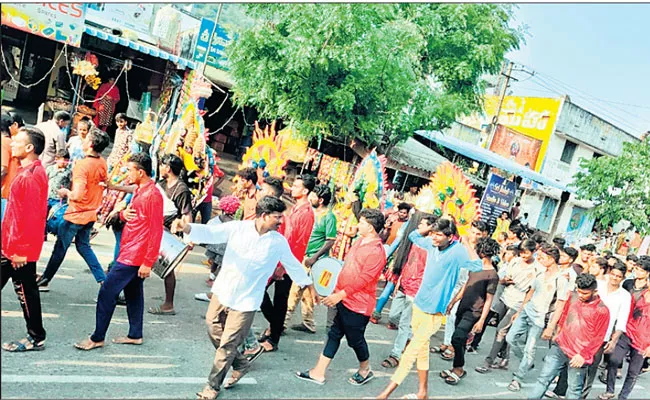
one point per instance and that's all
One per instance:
(580, 225)
(217, 54)
(497, 197)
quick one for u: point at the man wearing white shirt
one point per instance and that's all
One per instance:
(54, 131)
(253, 250)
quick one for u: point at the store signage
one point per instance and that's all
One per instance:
(216, 57)
(522, 149)
(135, 17)
(63, 22)
(497, 198)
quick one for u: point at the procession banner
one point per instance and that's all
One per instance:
(522, 149)
(62, 22)
(497, 197)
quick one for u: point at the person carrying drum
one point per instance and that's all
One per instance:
(139, 250)
(253, 251)
(89, 178)
(22, 234)
(178, 204)
(354, 300)
(320, 242)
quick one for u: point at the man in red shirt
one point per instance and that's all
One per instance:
(635, 341)
(582, 329)
(297, 229)
(22, 234)
(354, 299)
(139, 250)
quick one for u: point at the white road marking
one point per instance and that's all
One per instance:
(598, 385)
(309, 341)
(36, 379)
(19, 314)
(106, 364)
(375, 341)
(483, 395)
(132, 356)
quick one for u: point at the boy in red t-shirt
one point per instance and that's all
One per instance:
(354, 299)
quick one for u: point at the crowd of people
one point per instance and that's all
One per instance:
(590, 308)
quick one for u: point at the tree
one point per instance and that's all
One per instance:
(374, 72)
(619, 186)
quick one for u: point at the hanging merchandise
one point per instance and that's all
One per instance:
(195, 87)
(450, 194)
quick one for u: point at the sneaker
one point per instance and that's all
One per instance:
(202, 297)
(44, 288)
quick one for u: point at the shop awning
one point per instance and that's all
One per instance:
(143, 48)
(483, 155)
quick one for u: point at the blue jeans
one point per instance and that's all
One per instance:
(522, 338)
(385, 295)
(121, 277)
(400, 314)
(205, 210)
(81, 235)
(554, 361)
(3, 205)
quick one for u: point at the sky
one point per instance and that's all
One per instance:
(598, 54)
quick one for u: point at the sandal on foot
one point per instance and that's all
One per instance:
(26, 344)
(88, 344)
(264, 336)
(410, 396)
(232, 381)
(390, 362)
(127, 340)
(453, 379)
(358, 380)
(159, 311)
(445, 373)
(208, 393)
(269, 346)
(514, 386)
(438, 349)
(202, 297)
(483, 369)
(306, 377)
(606, 396)
(447, 355)
(254, 355)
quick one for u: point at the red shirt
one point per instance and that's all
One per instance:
(142, 235)
(26, 213)
(298, 227)
(413, 271)
(360, 274)
(638, 324)
(583, 327)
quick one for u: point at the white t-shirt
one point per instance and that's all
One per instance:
(618, 302)
(545, 291)
(523, 275)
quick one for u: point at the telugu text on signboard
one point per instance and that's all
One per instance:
(497, 198)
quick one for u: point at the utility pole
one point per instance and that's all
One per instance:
(495, 118)
(214, 30)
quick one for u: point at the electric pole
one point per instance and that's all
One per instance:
(495, 118)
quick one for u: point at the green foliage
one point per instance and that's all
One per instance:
(375, 72)
(620, 186)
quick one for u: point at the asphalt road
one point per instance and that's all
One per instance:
(176, 357)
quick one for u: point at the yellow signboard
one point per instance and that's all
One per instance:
(532, 116)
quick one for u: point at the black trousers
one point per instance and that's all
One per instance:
(465, 321)
(276, 311)
(24, 280)
(623, 346)
(352, 325)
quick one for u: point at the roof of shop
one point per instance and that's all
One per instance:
(417, 155)
(143, 48)
(481, 154)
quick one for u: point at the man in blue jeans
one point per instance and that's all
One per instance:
(89, 177)
(529, 319)
(582, 327)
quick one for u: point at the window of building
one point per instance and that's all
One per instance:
(597, 155)
(568, 152)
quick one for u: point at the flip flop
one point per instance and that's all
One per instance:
(208, 393)
(127, 340)
(159, 311)
(358, 380)
(254, 356)
(87, 345)
(444, 374)
(453, 379)
(306, 377)
(447, 355)
(390, 362)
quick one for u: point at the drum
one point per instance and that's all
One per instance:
(325, 273)
(172, 253)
